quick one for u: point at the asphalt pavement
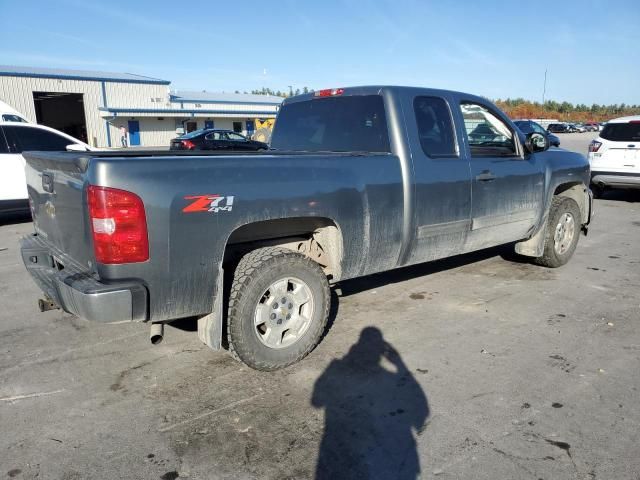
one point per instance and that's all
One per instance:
(475, 367)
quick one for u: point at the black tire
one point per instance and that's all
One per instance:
(255, 272)
(559, 207)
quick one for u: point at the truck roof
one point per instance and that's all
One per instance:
(376, 90)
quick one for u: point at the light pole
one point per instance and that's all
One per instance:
(544, 87)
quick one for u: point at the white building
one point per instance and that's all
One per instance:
(93, 106)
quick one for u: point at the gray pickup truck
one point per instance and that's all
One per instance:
(358, 181)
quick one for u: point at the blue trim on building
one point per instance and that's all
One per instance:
(193, 113)
(83, 77)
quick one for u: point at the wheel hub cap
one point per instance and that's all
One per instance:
(565, 230)
(284, 313)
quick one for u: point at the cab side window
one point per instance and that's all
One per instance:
(28, 138)
(435, 127)
(487, 134)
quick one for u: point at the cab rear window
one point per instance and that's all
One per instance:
(621, 132)
(339, 124)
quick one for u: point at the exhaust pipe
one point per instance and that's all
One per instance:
(46, 304)
(157, 333)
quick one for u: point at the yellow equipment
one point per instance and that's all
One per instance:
(264, 127)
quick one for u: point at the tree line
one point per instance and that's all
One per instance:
(565, 111)
(279, 93)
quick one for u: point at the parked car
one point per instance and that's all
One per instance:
(592, 127)
(15, 138)
(576, 128)
(358, 181)
(528, 126)
(558, 128)
(212, 139)
(615, 155)
(10, 114)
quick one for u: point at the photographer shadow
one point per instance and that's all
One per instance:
(372, 414)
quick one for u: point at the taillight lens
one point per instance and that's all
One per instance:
(594, 146)
(329, 92)
(188, 144)
(118, 224)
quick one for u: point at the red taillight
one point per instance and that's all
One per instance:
(188, 144)
(329, 92)
(118, 224)
(594, 146)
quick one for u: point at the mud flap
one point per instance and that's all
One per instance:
(210, 326)
(534, 247)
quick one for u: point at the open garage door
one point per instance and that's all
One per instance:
(62, 111)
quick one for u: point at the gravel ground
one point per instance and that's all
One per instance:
(474, 367)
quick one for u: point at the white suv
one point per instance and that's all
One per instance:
(615, 155)
(15, 138)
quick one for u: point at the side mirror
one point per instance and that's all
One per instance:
(536, 142)
(76, 147)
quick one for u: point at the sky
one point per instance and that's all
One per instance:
(497, 49)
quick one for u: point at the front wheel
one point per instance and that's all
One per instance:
(563, 231)
(278, 308)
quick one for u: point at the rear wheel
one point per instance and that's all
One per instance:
(278, 308)
(563, 231)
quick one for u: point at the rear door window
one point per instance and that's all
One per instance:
(621, 132)
(235, 137)
(435, 127)
(352, 123)
(28, 138)
(487, 134)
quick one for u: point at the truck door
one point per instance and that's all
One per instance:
(442, 181)
(507, 186)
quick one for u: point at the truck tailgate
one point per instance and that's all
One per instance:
(55, 184)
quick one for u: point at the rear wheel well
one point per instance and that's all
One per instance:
(318, 238)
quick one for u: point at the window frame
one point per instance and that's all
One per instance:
(456, 143)
(493, 111)
(4, 145)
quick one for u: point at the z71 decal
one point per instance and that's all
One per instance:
(208, 203)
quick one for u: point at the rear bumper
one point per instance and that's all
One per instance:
(616, 179)
(78, 292)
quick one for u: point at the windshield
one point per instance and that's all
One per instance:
(621, 132)
(338, 124)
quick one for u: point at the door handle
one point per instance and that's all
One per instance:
(485, 176)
